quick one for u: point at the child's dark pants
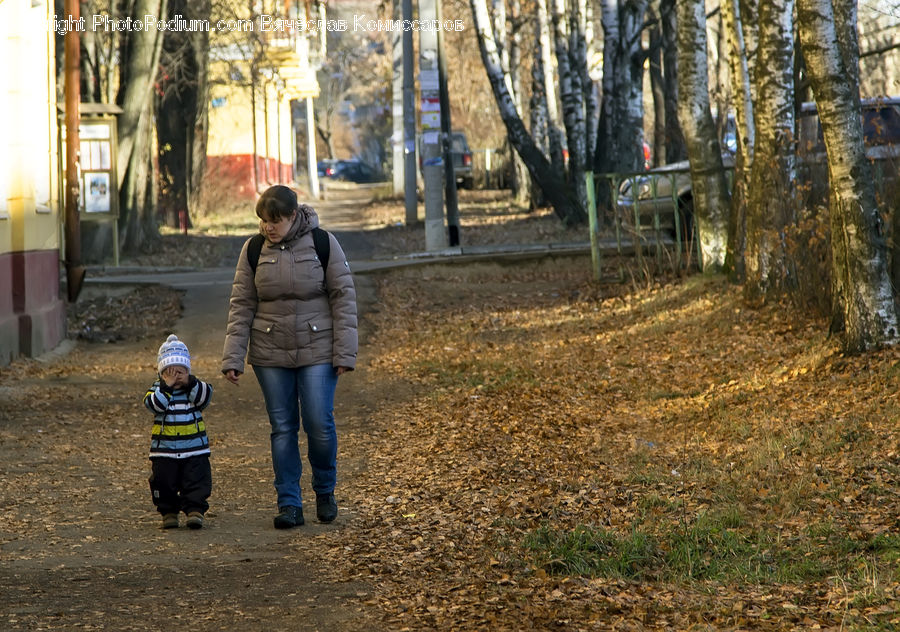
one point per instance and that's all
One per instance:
(181, 484)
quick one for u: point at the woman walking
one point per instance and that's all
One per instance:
(293, 316)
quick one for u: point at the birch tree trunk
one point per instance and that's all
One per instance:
(571, 79)
(771, 204)
(138, 70)
(675, 148)
(620, 134)
(743, 107)
(554, 124)
(657, 86)
(510, 60)
(863, 299)
(551, 181)
(710, 190)
(582, 43)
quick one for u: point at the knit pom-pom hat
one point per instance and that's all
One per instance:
(173, 352)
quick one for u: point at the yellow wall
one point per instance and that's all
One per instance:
(28, 156)
(231, 116)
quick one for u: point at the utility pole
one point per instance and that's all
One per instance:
(447, 137)
(311, 162)
(430, 108)
(409, 122)
(397, 103)
(72, 49)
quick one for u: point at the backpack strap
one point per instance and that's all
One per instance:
(321, 242)
(323, 246)
(253, 250)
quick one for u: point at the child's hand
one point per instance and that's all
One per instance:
(175, 376)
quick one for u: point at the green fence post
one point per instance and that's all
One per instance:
(593, 223)
(653, 196)
(614, 179)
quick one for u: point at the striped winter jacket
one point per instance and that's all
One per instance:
(178, 428)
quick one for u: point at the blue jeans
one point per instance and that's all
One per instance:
(305, 393)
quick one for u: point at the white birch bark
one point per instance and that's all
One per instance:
(554, 124)
(710, 191)
(619, 145)
(571, 91)
(582, 34)
(553, 185)
(863, 297)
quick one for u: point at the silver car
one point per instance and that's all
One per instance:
(664, 199)
(664, 194)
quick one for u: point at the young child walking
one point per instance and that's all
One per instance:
(180, 479)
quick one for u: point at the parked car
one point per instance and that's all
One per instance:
(461, 155)
(659, 192)
(462, 160)
(352, 170)
(881, 134)
(325, 167)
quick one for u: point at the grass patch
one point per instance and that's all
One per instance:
(593, 552)
(717, 546)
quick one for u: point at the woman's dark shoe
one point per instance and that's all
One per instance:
(326, 507)
(289, 517)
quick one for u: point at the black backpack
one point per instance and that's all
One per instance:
(320, 241)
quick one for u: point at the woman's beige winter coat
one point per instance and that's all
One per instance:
(291, 313)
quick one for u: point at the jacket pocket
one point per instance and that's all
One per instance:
(262, 337)
(262, 325)
(310, 268)
(318, 326)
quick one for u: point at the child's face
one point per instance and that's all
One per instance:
(175, 376)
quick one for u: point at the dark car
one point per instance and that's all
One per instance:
(355, 171)
(325, 168)
(462, 160)
(461, 155)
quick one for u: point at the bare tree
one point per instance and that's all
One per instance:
(674, 139)
(567, 206)
(575, 88)
(864, 306)
(745, 135)
(140, 53)
(710, 190)
(620, 133)
(510, 49)
(182, 112)
(771, 204)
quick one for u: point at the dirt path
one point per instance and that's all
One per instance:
(80, 541)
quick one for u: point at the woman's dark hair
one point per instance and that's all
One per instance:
(276, 202)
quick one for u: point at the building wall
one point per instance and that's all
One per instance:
(230, 149)
(32, 315)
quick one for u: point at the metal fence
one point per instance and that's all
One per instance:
(656, 223)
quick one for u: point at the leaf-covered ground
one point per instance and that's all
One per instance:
(521, 448)
(560, 455)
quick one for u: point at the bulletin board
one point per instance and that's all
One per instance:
(99, 195)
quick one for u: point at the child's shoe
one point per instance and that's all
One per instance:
(195, 520)
(170, 521)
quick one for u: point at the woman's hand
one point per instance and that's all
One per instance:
(232, 376)
(341, 370)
